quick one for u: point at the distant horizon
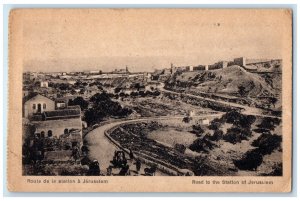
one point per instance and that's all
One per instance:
(136, 69)
(146, 39)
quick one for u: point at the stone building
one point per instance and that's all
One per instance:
(36, 105)
(63, 124)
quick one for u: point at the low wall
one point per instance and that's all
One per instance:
(162, 166)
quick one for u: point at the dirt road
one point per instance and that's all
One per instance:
(102, 149)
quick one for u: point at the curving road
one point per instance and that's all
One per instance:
(102, 149)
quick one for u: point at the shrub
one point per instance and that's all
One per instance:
(79, 101)
(269, 123)
(180, 148)
(267, 143)
(236, 134)
(250, 160)
(277, 170)
(103, 107)
(202, 145)
(240, 120)
(231, 116)
(218, 135)
(197, 129)
(215, 124)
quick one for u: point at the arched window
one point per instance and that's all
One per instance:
(49, 133)
(66, 131)
(44, 106)
(42, 134)
(34, 106)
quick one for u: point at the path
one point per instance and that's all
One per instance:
(102, 149)
(247, 110)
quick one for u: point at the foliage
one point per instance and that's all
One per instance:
(215, 124)
(202, 145)
(242, 90)
(277, 170)
(180, 148)
(251, 160)
(269, 123)
(267, 143)
(79, 101)
(240, 120)
(198, 130)
(186, 119)
(104, 107)
(218, 135)
(237, 134)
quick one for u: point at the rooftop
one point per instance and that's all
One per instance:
(66, 113)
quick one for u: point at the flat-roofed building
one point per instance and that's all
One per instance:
(65, 124)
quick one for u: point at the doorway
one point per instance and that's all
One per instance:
(39, 108)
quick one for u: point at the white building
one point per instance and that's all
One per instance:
(44, 84)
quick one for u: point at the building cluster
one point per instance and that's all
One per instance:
(251, 65)
(53, 121)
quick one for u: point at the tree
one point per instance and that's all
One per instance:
(198, 130)
(242, 90)
(237, 134)
(79, 101)
(267, 143)
(231, 116)
(218, 135)
(251, 160)
(273, 101)
(186, 119)
(202, 145)
(269, 123)
(215, 124)
(104, 107)
(180, 148)
(63, 86)
(117, 90)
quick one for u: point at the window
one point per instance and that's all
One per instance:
(49, 133)
(44, 106)
(42, 134)
(66, 131)
(34, 106)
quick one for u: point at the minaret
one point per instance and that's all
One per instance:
(127, 69)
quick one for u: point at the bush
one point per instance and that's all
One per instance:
(79, 101)
(103, 107)
(197, 129)
(236, 134)
(215, 124)
(267, 143)
(180, 148)
(269, 123)
(202, 145)
(277, 170)
(231, 116)
(251, 160)
(218, 135)
(240, 120)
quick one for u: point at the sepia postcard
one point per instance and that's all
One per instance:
(150, 100)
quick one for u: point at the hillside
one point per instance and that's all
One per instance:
(233, 80)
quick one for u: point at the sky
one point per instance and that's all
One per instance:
(144, 40)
